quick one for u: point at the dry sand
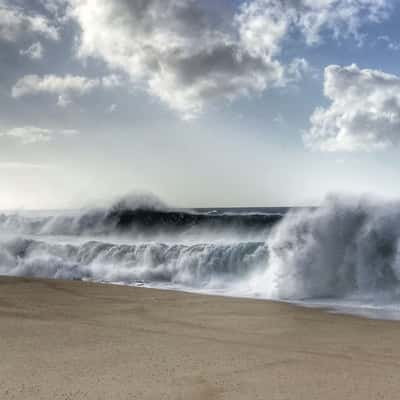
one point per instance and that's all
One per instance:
(74, 340)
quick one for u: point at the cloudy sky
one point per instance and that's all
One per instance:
(203, 103)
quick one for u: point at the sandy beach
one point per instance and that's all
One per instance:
(75, 340)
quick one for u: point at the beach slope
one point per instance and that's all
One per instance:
(76, 340)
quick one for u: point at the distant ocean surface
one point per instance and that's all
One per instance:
(344, 255)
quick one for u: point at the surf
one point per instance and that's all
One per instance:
(344, 254)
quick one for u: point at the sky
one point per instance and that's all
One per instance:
(202, 103)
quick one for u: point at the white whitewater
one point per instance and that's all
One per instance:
(344, 255)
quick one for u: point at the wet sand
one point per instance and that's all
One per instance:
(75, 340)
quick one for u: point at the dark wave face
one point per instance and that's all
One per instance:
(122, 220)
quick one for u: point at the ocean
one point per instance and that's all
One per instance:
(343, 256)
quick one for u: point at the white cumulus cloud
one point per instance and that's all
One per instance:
(65, 87)
(17, 21)
(179, 49)
(34, 134)
(31, 84)
(186, 52)
(28, 134)
(364, 113)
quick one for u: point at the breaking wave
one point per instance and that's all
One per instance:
(342, 248)
(344, 252)
(197, 266)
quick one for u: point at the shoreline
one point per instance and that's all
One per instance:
(364, 311)
(83, 340)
